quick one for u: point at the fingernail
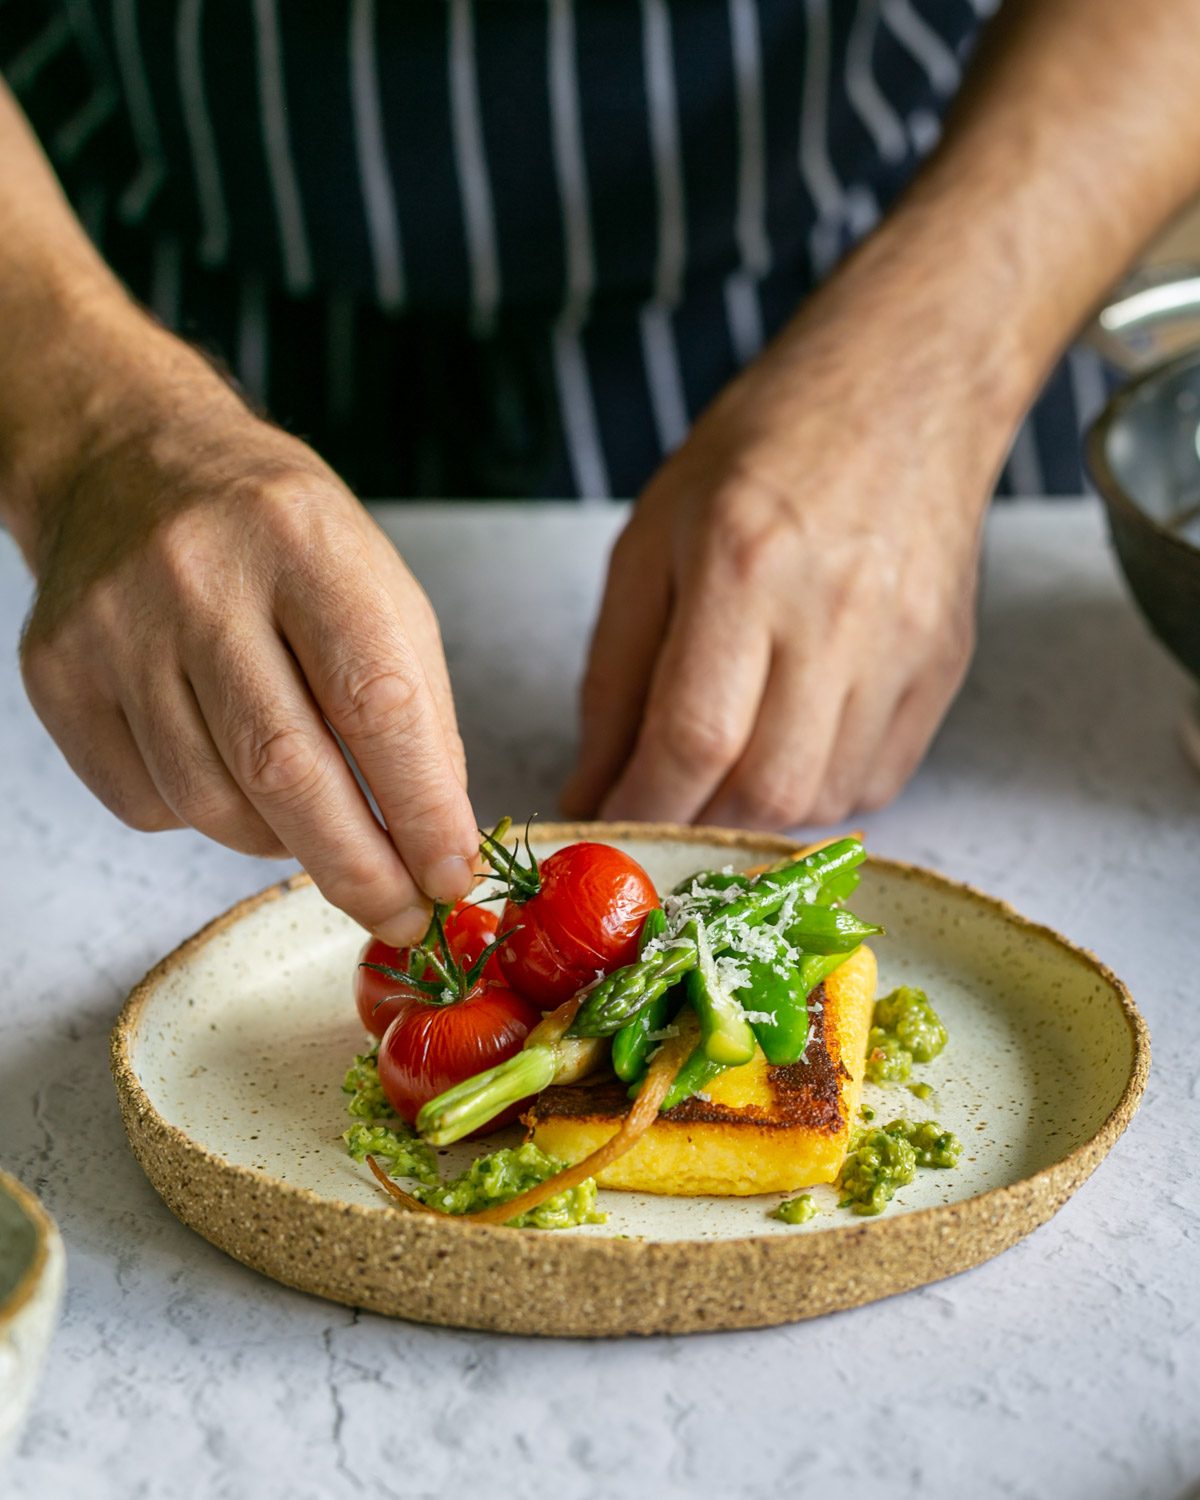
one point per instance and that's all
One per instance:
(406, 928)
(449, 879)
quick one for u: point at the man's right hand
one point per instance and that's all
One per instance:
(212, 605)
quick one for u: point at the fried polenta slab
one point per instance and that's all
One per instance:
(757, 1129)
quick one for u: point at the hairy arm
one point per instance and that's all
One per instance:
(211, 600)
(789, 612)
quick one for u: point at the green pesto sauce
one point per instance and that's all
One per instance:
(934, 1146)
(367, 1099)
(880, 1161)
(905, 1029)
(489, 1179)
(876, 1165)
(396, 1149)
(920, 1090)
(501, 1175)
(796, 1210)
(865, 1112)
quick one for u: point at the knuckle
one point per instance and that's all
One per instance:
(833, 807)
(209, 809)
(839, 796)
(695, 742)
(142, 812)
(361, 887)
(753, 527)
(879, 794)
(368, 700)
(299, 510)
(279, 765)
(41, 669)
(179, 557)
(773, 803)
(250, 835)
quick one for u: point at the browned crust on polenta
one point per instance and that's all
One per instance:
(807, 1094)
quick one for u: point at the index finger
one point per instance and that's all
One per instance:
(270, 734)
(372, 686)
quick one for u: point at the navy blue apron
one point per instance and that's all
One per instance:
(497, 247)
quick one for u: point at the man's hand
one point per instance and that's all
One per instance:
(214, 609)
(212, 606)
(789, 611)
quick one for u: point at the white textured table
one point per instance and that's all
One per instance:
(1070, 1367)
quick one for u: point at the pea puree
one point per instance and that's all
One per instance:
(489, 1179)
(397, 1150)
(905, 1029)
(796, 1210)
(367, 1099)
(503, 1174)
(880, 1161)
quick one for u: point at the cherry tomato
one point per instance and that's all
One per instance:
(428, 1047)
(469, 929)
(586, 915)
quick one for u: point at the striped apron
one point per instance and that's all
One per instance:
(497, 247)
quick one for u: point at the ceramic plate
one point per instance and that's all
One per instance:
(228, 1059)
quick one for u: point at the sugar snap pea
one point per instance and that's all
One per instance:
(622, 994)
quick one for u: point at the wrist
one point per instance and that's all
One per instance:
(83, 372)
(941, 309)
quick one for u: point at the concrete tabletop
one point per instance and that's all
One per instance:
(1069, 1367)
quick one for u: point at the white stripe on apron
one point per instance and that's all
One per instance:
(285, 191)
(924, 43)
(189, 59)
(575, 399)
(816, 168)
(864, 93)
(76, 132)
(743, 312)
(137, 197)
(374, 174)
(29, 62)
(470, 162)
(659, 351)
(924, 131)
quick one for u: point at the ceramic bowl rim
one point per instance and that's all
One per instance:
(1112, 491)
(44, 1229)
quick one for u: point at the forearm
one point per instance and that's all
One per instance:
(80, 364)
(1075, 138)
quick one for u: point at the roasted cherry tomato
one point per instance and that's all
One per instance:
(469, 929)
(579, 910)
(430, 1046)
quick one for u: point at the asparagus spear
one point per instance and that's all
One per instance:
(548, 1056)
(616, 999)
(632, 1045)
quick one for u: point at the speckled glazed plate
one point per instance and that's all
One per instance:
(228, 1059)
